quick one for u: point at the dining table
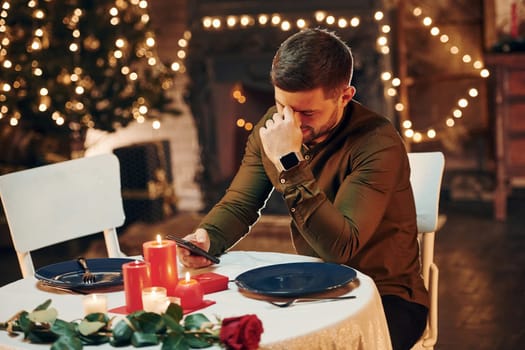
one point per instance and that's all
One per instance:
(354, 323)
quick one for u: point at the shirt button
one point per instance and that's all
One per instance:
(283, 181)
(307, 157)
(292, 210)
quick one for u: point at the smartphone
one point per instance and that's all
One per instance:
(194, 249)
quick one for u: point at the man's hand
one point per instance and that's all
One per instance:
(281, 135)
(199, 238)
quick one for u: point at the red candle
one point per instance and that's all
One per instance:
(162, 256)
(190, 292)
(136, 277)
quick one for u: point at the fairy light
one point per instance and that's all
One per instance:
(342, 23)
(263, 19)
(320, 16)
(231, 21)
(462, 103)
(206, 22)
(245, 20)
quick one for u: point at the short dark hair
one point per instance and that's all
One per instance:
(310, 59)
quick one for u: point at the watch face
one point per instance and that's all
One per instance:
(289, 160)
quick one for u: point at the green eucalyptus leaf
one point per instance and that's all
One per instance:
(175, 342)
(43, 306)
(151, 322)
(87, 327)
(67, 343)
(94, 339)
(122, 333)
(173, 324)
(195, 321)
(140, 339)
(24, 322)
(136, 314)
(97, 316)
(201, 340)
(63, 328)
(41, 334)
(175, 311)
(43, 315)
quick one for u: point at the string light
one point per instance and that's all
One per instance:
(463, 103)
(243, 21)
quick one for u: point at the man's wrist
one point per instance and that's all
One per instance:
(289, 161)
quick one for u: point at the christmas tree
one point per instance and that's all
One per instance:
(70, 65)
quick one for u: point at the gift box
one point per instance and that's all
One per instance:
(212, 282)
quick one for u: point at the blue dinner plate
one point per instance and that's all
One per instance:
(295, 279)
(68, 274)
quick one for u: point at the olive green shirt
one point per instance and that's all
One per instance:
(350, 202)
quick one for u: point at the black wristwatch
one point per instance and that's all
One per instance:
(290, 160)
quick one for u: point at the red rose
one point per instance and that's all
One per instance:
(241, 333)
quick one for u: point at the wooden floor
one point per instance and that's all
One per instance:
(481, 261)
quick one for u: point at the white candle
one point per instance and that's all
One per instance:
(154, 299)
(95, 303)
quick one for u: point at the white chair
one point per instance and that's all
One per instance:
(59, 202)
(425, 177)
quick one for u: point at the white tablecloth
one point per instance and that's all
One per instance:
(345, 324)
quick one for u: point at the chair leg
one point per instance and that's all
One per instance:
(431, 333)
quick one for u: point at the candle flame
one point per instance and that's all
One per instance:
(187, 276)
(159, 239)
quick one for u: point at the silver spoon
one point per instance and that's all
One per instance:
(301, 300)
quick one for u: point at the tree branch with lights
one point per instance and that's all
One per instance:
(68, 66)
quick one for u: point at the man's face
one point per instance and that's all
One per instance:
(317, 114)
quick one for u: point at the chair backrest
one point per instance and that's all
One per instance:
(425, 177)
(59, 202)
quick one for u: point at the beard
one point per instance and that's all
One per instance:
(312, 137)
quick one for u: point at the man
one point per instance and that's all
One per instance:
(344, 175)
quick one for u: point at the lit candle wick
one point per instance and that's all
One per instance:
(187, 277)
(159, 239)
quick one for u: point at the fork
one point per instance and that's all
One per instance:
(87, 277)
(301, 300)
